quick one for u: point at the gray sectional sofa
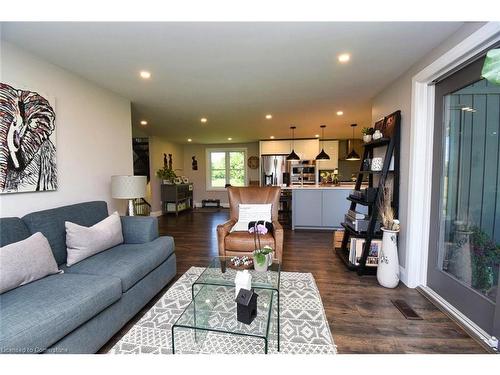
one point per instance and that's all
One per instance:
(79, 310)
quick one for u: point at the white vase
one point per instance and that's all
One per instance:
(388, 262)
(377, 164)
(269, 259)
(260, 267)
(377, 135)
(367, 138)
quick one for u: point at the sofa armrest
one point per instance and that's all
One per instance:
(222, 231)
(278, 240)
(139, 229)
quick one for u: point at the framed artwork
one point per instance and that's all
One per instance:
(27, 141)
(390, 122)
(379, 124)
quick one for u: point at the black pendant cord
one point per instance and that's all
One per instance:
(323, 155)
(293, 155)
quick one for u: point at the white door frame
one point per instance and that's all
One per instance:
(421, 146)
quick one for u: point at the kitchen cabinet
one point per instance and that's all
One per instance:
(332, 149)
(320, 208)
(307, 149)
(306, 208)
(275, 147)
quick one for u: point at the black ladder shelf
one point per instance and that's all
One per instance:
(391, 125)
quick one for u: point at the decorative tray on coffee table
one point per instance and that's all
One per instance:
(240, 263)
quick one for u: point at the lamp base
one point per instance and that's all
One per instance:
(130, 208)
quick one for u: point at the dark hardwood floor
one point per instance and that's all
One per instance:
(359, 311)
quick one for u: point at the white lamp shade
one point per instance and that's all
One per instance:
(128, 187)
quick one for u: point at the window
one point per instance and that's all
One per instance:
(226, 166)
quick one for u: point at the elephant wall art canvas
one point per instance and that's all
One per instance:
(27, 141)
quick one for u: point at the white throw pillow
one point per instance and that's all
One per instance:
(26, 261)
(251, 212)
(83, 242)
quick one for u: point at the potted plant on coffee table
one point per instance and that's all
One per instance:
(261, 258)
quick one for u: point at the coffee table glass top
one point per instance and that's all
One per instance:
(220, 272)
(214, 309)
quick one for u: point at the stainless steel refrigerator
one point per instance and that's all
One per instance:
(275, 170)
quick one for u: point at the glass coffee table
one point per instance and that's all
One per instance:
(213, 309)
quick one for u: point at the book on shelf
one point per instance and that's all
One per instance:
(356, 250)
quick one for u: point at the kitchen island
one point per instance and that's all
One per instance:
(319, 206)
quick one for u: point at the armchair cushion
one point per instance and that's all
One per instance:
(139, 229)
(251, 212)
(244, 241)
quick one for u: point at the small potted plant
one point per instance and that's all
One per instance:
(167, 175)
(261, 258)
(367, 134)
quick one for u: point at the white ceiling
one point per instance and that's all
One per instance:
(235, 73)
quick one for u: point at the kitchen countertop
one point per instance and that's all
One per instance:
(320, 187)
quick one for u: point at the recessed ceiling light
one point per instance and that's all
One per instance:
(269, 116)
(230, 139)
(316, 135)
(190, 140)
(340, 113)
(344, 57)
(272, 137)
(144, 122)
(203, 119)
(145, 74)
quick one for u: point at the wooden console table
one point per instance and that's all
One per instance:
(176, 198)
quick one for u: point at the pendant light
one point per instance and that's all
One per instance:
(323, 155)
(293, 155)
(353, 155)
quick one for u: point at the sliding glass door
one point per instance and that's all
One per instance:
(464, 251)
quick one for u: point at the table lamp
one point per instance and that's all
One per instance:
(128, 187)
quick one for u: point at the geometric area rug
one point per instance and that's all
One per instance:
(304, 328)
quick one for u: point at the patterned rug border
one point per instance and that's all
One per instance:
(127, 344)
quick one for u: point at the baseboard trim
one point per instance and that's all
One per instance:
(471, 328)
(155, 213)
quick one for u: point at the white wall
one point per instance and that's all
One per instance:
(398, 96)
(157, 147)
(199, 177)
(94, 134)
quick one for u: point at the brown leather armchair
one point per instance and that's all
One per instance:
(242, 243)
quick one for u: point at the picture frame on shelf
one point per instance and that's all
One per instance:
(390, 123)
(379, 124)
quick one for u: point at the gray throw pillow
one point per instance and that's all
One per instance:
(26, 261)
(83, 242)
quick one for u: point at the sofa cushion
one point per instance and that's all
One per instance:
(244, 241)
(36, 315)
(83, 242)
(129, 262)
(51, 223)
(12, 229)
(25, 261)
(139, 229)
